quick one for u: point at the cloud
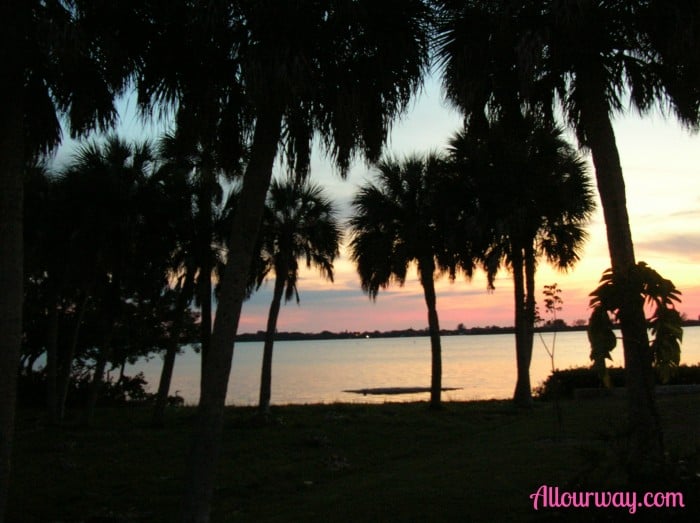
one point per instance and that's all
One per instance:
(684, 246)
(687, 213)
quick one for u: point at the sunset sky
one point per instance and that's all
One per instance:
(661, 163)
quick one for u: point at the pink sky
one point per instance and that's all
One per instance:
(342, 306)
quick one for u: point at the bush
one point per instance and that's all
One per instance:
(31, 390)
(566, 381)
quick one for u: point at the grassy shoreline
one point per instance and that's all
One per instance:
(472, 461)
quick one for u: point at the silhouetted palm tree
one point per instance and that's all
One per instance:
(112, 228)
(194, 171)
(206, 170)
(180, 206)
(534, 200)
(399, 221)
(296, 68)
(48, 273)
(60, 59)
(299, 223)
(586, 57)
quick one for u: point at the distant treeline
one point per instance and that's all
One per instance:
(560, 326)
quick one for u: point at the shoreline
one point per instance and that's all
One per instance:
(413, 333)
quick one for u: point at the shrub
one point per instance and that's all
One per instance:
(566, 381)
(31, 390)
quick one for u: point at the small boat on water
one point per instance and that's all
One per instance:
(396, 390)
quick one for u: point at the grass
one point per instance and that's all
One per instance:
(475, 461)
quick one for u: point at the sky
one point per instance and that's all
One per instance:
(661, 165)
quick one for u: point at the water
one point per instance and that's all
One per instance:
(319, 371)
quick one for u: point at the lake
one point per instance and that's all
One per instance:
(319, 371)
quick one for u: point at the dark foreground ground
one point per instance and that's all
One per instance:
(476, 461)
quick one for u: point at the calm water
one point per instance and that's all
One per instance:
(483, 367)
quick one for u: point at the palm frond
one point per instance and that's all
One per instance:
(299, 223)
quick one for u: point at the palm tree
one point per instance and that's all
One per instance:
(183, 291)
(182, 153)
(116, 231)
(192, 173)
(398, 221)
(100, 227)
(59, 265)
(534, 200)
(586, 57)
(45, 270)
(299, 223)
(297, 68)
(60, 59)
(180, 207)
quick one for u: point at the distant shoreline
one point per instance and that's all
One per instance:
(411, 333)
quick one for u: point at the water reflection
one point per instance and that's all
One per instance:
(482, 367)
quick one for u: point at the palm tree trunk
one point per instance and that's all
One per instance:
(122, 370)
(52, 363)
(522, 396)
(646, 440)
(427, 269)
(65, 368)
(205, 300)
(266, 373)
(527, 328)
(529, 301)
(201, 467)
(103, 356)
(206, 261)
(12, 155)
(166, 374)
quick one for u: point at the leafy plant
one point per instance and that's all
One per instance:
(664, 322)
(553, 303)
